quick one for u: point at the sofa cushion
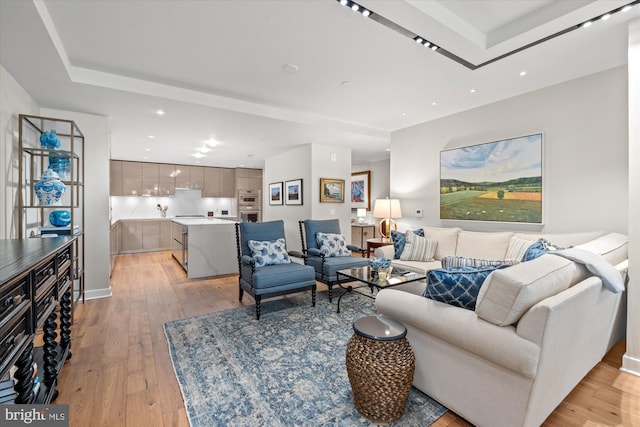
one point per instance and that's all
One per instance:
(447, 239)
(458, 287)
(508, 293)
(418, 248)
(459, 261)
(416, 266)
(269, 252)
(399, 240)
(563, 239)
(332, 244)
(613, 247)
(473, 244)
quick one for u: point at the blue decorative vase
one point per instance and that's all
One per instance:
(61, 164)
(49, 140)
(379, 263)
(49, 189)
(60, 218)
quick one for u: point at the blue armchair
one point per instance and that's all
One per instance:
(326, 266)
(264, 266)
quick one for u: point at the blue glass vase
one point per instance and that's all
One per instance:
(61, 164)
(60, 218)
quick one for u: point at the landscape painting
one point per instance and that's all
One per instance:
(495, 181)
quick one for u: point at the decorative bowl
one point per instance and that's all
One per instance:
(379, 263)
(60, 218)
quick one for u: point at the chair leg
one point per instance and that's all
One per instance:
(241, 293)
(258, 298)
(330, 291)
(313, 297)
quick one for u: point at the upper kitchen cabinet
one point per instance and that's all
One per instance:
(191, 177)
(115, 178)
(131, 178)
(248, 179)
(166, 180)
(219, 182)
(150, 179)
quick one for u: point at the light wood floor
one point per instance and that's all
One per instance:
(121, 374)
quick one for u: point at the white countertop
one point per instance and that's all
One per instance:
(201, 221)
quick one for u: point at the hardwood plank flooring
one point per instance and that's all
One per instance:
(121, 374)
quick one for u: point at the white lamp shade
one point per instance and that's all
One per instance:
(387, 208)
(361, 212)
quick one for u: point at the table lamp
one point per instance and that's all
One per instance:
(361, 213)
(387, 209)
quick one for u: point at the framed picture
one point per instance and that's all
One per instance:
(275, 193)
(495, 181)
(293, 192)
(331, 190)
(361, 190)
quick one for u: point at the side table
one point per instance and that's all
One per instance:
(380, 366)
(372, 244)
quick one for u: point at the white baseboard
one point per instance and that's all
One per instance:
(630, 365)
(96, 294)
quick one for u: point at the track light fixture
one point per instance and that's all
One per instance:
(424, 42)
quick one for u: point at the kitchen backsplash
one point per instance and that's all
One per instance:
(185, 202)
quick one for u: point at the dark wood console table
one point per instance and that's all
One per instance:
(35, 282)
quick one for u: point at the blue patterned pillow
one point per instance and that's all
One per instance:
(269, 252)
(459, 286)
(332, 244)
(537, 249)
(399, 240)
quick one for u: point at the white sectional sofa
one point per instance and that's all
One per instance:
(538, 327)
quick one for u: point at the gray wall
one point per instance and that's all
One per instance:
(585, 162)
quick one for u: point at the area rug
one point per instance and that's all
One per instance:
(286, 369)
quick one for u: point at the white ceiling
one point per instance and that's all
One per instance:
(216, 67)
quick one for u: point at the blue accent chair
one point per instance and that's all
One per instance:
(326, 267)
(269, 280)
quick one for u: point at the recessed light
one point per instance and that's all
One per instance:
(290, 68)
(523, 73)
(145, 158)
(212, 143)
(160, 113)
(151, 136)
(472, 91)
(586, 24)
(199, 155)
(366, 13)
(434, 103)
(205, 149)
(606, 16)
(627, 8)
(426, 44)
(241, 166)
(343, 2)
(147, 149)
(355, 7)
(419, 40)
(403, 114)
(434, 47)
(387, 149)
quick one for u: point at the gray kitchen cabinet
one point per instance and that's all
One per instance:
(131, 235)
(191, 177)
(197, 177)
(166, 180)
(115, 178)
(219, 182)
(131, 178)
(248, 179)
(149, 179)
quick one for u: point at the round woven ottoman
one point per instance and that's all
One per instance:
(380, 365)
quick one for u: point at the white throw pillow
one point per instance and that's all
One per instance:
(517, 248)
(332, 244)
(418, 248)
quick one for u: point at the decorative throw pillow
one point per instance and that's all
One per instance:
(518, 247)
(534, 251)
(269, 252)
(458, 287)
(418, 248)
(332, 244)
(459, 261)
(399, 241)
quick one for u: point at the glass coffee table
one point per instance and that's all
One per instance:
(370, 279)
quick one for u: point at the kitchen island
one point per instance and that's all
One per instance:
(204, 247)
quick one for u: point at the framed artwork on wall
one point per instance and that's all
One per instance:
(275, 193)
(496, 181)
(361, 190)
(293, 192)
(331, 190)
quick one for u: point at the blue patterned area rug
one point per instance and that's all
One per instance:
(286, 369)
